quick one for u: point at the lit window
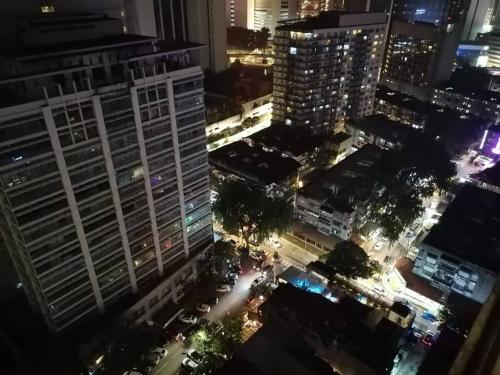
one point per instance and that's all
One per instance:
(293, 50)
(288, 121)
(47, 8)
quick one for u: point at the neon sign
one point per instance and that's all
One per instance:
(496, 149)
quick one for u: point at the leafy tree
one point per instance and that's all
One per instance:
(407, 176)
(261, 38)
(214, 261)
(245, 209)
(250, 122)
(351, 261)
(243, 38)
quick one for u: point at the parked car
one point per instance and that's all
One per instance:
(232, 242)
(232, 275)
(259, 280)
(236, 268)
(203, 307)
(132, 372)
(275, 242)
(189, 363)
(379, 245)
(428, 339)
(162, 352)
(194, 355)
(220, 234)
(258, 255)
(387, 259)
(151, 359)
(223, 288)
(428, 316)
(186, 318)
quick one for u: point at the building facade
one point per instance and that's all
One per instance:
(334, 202)
(256, 14)
(419, 56)
(197, 21)
(437, 12)
(482, 103)
(326, 69)
(104, 172)
(460, 252)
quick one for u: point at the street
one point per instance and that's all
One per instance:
(228, 303)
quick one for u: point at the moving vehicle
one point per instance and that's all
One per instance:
(223, 288)
(275, 242)
(189, 319)
(203, 307)
(259, 280)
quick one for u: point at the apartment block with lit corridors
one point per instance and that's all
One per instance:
(326, 69)
(103, 165)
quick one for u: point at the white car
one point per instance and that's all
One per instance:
(189, 363)
(379, 245)
(189, 319)
(224, 288)
(275, 242)
(232, 275)
(257, 255)
(162, 352)
(203, 307)
(259, 280)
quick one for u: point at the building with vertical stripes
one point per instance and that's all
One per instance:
(103, 165)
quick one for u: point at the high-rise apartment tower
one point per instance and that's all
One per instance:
(103, 164)
(326, 69)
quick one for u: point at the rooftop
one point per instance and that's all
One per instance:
(345, 322)
(415, 282)
(480, 94)
(392, 131)
(401, 309)
(490, 176)
(354, 174)
(333, 19)
(469, 228)
(288, 139)
(277, 348)
(257, 163)
(340, 137)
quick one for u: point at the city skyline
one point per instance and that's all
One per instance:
(203, 186)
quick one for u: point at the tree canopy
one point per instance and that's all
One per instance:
(246, 210)
(407, 176)
(243, 38)
(218, 342)
(214, 261)
(351, 261)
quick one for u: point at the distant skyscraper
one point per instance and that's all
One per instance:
(480, 18)
(438, 12)
(326, 69)
(256, 14)
(103, 164)
(419, 56)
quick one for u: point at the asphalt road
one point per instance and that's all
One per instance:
(228, 303)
